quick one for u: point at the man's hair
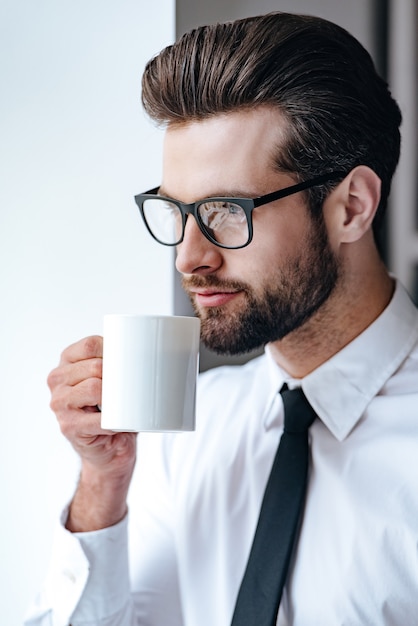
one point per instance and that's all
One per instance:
(339, 111)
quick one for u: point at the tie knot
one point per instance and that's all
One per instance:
(298, 413)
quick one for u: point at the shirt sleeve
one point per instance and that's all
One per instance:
(87, 581)
(125, 575)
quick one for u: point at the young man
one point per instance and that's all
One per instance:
(252, 108)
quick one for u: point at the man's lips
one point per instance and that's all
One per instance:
(212, 297)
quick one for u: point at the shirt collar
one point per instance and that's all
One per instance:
(342, 387)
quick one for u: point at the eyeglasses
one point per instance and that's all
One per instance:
(226, 222)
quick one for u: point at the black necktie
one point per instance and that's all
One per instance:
(262, 585)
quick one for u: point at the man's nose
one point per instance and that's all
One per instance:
(196, 254)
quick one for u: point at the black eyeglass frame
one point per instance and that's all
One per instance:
(247, 204)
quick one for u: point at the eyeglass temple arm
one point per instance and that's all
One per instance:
(318, 180)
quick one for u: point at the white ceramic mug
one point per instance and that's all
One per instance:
(150, 366)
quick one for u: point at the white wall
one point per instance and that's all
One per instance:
(74, 148)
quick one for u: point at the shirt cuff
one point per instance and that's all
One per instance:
(88, 578)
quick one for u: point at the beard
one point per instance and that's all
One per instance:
(295, 292)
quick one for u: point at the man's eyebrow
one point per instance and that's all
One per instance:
(229, 193)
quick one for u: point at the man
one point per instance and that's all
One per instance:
(252, 108)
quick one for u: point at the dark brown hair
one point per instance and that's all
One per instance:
(340, 112)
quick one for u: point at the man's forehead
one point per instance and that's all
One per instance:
(255, 116)
(230, 154)
(234, 138)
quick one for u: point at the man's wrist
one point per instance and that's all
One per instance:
(99, 501)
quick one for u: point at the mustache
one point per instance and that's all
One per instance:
(212, 281)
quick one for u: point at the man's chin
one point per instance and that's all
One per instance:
(229, 350)
(224, 341)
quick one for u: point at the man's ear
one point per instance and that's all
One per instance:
(359, 201)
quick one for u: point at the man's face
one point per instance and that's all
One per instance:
(248, 297)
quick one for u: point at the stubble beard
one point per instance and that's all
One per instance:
(296, 291)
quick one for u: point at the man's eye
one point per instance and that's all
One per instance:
(213, 214)
(221, 215)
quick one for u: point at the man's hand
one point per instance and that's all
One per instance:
(107, 458)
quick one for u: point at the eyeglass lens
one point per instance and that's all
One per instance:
(164, 219)
(224, 222)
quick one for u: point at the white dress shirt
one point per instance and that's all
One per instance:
(178, 558)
